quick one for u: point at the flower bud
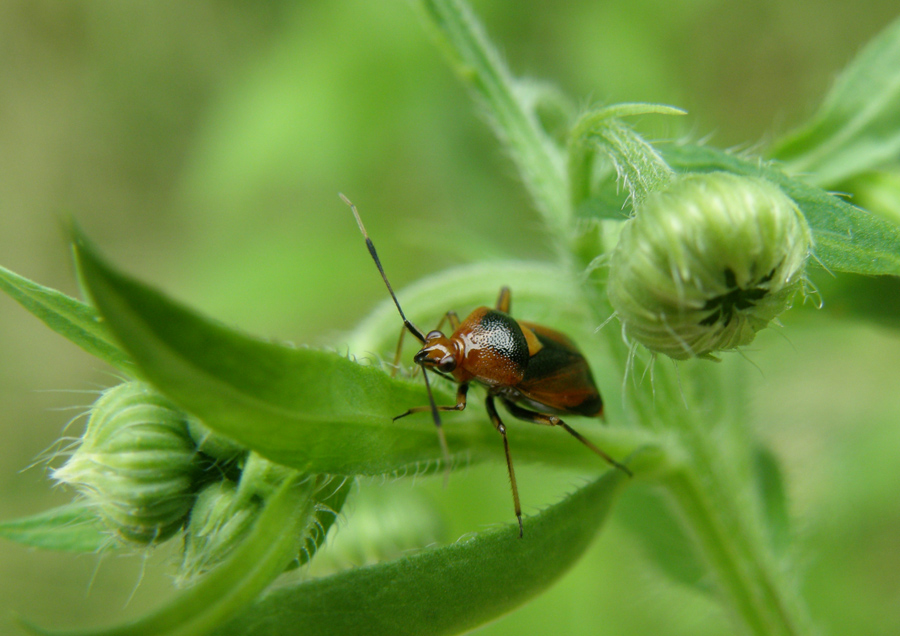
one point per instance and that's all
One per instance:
(225, 511)
(706, 263)
(135, 464)
(219, 521)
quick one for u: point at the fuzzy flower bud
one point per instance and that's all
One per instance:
(136, 464)
(220, 519)
(224, 512)
(707, 263)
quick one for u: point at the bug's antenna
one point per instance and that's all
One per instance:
(411, 327)
(440, 429)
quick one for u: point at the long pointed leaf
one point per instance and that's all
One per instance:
(274, 399)
(70, 528)
(445, 590)
(68, 317)
(857, 128)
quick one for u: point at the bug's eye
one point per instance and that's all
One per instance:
(433, 335)
(447, 364)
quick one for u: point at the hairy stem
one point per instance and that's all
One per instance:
(538, 159)
(750, 581)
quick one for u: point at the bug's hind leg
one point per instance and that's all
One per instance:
(552, 420)
(501, 428)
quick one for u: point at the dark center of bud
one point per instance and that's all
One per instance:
(736, 299)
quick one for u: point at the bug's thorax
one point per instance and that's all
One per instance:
(489, 347)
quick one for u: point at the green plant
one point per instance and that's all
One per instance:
(306, 414)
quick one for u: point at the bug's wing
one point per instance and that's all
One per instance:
(559, 377)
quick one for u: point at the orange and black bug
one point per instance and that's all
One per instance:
(537, 373)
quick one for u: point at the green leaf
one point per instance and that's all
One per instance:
(536, 287)
(857, 127)
(845, 238)
(446, 590)
(652, 519)
(68, 317)
(70, 528)
(639, 166)
(770, 486)
(312, 410)
(270, 547)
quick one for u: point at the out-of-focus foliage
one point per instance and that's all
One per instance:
(205, 142)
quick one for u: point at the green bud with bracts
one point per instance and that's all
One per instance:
(706, 263)
(220, 520)
(136, 464)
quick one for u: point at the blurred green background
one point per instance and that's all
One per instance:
(202, 145)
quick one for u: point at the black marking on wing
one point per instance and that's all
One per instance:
(559, 378)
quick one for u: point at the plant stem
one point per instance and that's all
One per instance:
(708, 476)
(538, 159)
(751, 582)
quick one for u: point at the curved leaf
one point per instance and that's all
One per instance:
(313, 410)
(653, 520)
(444, 590)
(70, 528)
(68, 317)
(845, 238)
(272, 398)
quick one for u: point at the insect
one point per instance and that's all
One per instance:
(537, 373)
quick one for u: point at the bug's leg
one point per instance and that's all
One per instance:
(552, 420)
(504, 300)
(396, 365)
(460, 405)
(445, 450)
(501, 428)
(450, 317)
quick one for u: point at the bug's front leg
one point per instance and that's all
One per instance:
(460, 405)
(501, 428)
(552, 420)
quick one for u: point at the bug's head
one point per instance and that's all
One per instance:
(439, 353)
